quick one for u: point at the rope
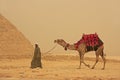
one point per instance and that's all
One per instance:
(50, 50)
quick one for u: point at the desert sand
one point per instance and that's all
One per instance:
(57, 67)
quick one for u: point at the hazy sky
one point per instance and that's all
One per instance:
(43, 21)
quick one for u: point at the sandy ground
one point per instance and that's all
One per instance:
(58, 67)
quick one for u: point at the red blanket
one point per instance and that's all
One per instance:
(90, 40)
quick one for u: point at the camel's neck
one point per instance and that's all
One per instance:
(65, 45)
(71, 47)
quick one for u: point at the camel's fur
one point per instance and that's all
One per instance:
(82, 50)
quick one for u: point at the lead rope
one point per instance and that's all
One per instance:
(48, 52)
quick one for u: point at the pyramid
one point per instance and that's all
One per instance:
(12, 41)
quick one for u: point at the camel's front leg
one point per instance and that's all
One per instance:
(82, 61)
(86, 64)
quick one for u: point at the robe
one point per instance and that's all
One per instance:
(36, 61)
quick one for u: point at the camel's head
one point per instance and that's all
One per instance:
(62, 43)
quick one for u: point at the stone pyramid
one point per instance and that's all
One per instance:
(12, 41)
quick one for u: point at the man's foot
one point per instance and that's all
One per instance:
(32, 67)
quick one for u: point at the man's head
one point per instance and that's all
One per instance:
(36, 45)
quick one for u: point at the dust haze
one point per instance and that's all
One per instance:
(43, 21)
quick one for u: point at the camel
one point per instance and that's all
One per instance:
(82, 50)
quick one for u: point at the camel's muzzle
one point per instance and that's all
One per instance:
(65, 48)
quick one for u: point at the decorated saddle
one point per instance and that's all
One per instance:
(92, 41)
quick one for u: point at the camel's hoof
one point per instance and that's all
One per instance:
(88, 66)
(103, 69)
(92, 67)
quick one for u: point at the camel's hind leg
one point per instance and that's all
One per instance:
(97, 59)
(103, 57)
(98, 52)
